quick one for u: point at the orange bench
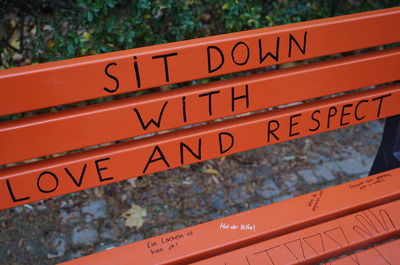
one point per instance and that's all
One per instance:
(343, 218)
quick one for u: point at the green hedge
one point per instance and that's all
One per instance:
(66, 29)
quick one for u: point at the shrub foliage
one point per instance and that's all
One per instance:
(48, 30)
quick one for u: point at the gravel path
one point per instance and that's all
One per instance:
(81, 223)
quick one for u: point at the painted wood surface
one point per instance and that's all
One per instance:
(385, 254)
(309, 228)
(101, 123)
(62, 82)
(322, 241)
(303, 229)
(87, 169)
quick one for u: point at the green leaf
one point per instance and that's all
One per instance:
(110, 3)
(90, 16)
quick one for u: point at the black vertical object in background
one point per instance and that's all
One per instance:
(388, 156)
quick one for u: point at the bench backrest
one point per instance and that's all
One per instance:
(51, 84)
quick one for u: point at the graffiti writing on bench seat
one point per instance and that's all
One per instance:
(167, 242)
(369, 225)
(315, 199)
(309, 244)
(245, 227)
(370, 181)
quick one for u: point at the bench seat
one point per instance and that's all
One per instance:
(233, 239)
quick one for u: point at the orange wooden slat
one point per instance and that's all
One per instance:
(220, 236)
(388, 253)
(320, 242)
(67, 130)
(56, 83)
(69, 173)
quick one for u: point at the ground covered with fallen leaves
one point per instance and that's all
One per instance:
(89, 221)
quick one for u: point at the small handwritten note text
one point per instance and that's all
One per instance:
(313, 203)
(238, 227)
(368, 182)
(167, 243)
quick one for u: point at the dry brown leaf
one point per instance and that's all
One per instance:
(134, 216)
(132, 181)
(15, 41)
(211, 171)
